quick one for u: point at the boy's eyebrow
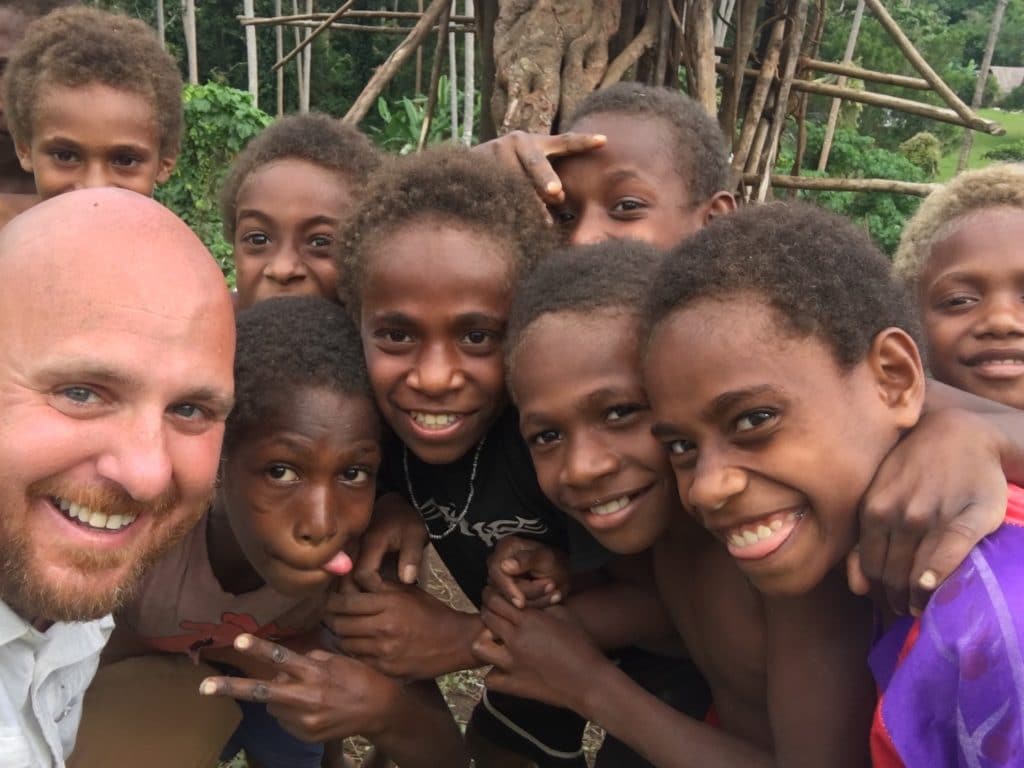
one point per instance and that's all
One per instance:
(394, 318)
(479, 318)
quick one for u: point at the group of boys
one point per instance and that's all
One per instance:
(802, 385)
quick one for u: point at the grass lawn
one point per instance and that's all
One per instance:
(1013, 122)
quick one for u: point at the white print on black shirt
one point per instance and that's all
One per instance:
(489, 532)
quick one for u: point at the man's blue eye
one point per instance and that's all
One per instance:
(79, 394)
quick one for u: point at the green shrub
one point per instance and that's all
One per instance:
(1014, 99)
(925, 151)
(219, 122)
(1012, 152)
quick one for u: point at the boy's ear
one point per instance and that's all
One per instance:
(166, 169)
(24, 153)
(895, 363)
(720, 203)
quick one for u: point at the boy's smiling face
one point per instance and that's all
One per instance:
(433, 308)
(584, 414)
(94, 136)
(971, 293)
(287, 213)
(630, 187)
(772, 443)
(299, 489)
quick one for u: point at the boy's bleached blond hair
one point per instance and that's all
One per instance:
(996, 185)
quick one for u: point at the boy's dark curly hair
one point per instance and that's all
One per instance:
(316, 138)
(698, 145)
(821, 274)
(448, 184)
(612, 275)
(291, 342)
(80, 46)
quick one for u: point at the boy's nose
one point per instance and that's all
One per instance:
(713, 485)
(94, 176)
(435, 372)
(589, 229)
(587, 460)
(1004, 316)
(285, 266)
(317, 523)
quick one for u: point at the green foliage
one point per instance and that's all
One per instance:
(1014, 99)
(854, 155)
(219, 121)
(1012, 152)
(398, 124)
(925, 151)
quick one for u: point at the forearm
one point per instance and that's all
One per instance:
(418, 717)
(618, 614)
(1008, 423)
(456, 652)
(662, 735)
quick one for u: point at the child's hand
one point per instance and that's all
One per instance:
(401, 631)
(317, 696)
(527, 573)
(394, 527)
(937, 494)
(537, 654)
(529, 153)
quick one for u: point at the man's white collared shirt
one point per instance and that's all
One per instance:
(43, 677)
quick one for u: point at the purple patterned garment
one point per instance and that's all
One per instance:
(952, 683)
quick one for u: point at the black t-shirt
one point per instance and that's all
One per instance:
(507, 501)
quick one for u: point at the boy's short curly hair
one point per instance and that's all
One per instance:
(449, 184)
(286, 343)
(78, 46)
(316, 138)
(821, 274)
(698, 144)
(614, 275)
(943, 210)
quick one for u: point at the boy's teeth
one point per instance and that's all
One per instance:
(94, 518)
(609, 507)
(434, 420)
(749, 534)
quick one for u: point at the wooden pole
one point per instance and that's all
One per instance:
(300, 80)
(251, 56)
(915, 58)
(435, 80)
(453, 80)
(851, 70)
(833, 112)
(732, 86)
(632, 52)
(891, 102)
(468, 78)
(759, 97)
(700, 29)
(419, 57)
(261, 21)
(307, 63)
(161, 24)
(279, 52)
(394, 62)
(844, 185)
(188, 20)
(314, 34)
(796, 37)
(979, 86)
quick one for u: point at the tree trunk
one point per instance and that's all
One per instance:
(307, 65)
(469, 79)
(453, 79)
(161, 24)
(279, 43)
(979, 86)
(548, 54)
(250, 53)
(188, 21)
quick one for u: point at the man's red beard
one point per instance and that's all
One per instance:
(24, 585)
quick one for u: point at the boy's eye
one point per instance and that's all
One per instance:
(279, 473)
(754, 419)
(620, 412)
(681, 447)
(63, 155)
(395, 337)
(126, 161)
(477, 337)
(356, 475)
(545, 437)
(255, 239)
(628, 205)
(562, 217)
(321, 241)
(959, 301)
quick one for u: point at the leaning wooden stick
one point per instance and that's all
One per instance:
(312, 35)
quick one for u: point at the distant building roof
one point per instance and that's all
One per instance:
(1008, 78)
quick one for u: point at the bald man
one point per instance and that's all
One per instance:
(115, 380)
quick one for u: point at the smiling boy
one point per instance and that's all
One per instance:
(801, 374)
(92, 100)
